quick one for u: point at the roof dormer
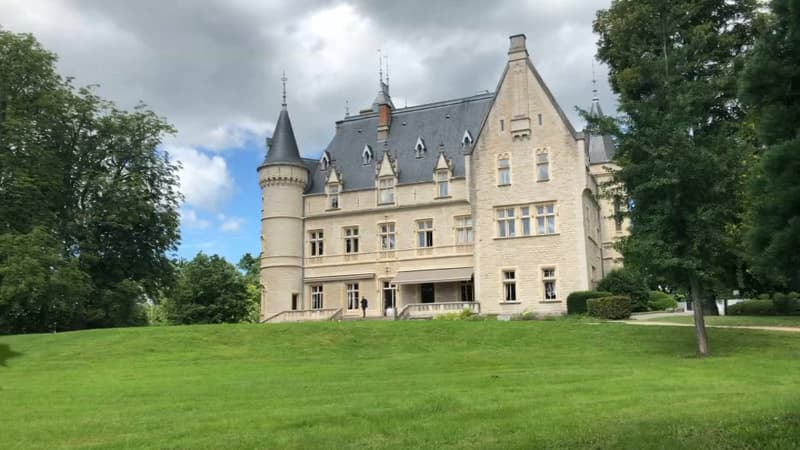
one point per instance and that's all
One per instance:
(366, 155)
(419, 148)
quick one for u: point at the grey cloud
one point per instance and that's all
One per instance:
(209, 64)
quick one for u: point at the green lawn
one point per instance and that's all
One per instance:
(762, 321)
(417, 384)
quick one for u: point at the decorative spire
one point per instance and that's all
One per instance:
(594, 85)
(386, 57)
(380, 68)
(347, 108)
(283, 79)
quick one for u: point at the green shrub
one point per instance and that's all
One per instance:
(785, 304)
(629, 283)
(576, 301)
(465, 314)
(752, 308)
(613, 308)
(661, 301)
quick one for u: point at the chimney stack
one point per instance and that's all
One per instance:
(516, 48)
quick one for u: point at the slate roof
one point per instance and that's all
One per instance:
(436, 123)
(601, 148)
(283, 145)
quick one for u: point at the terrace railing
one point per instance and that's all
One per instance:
(428, 310)
(305, 315)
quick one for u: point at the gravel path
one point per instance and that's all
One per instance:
(742, 327)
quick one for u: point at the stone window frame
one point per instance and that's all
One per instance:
(334, 191)
(506, 224)
(467, 228)
(545, 162)
(548, 273)
(428, 230)
(317, 296)
(350, 236)
(545, 216)
(390, 189)
(441, 179)
(352, 297)
(316, 241)
(509, 287)
(390, 232)
(507, 158)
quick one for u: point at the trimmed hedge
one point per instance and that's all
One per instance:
(612, 308)
(786, 304)
(661, 301)
(576, 301)
(752, 308)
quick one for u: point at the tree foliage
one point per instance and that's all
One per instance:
(208, 290)
(629, 283)
(88, 205)
(674, 66)
(770, 87)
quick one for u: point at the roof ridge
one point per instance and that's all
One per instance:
(424, 106)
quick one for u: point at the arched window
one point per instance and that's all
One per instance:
(366, 155)
(419, 148)
(325, 161)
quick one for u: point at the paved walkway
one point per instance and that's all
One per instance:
(638, 320)
(660, 315)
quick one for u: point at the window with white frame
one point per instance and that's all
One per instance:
(425, 233)
(542, 166)
(386, 234)
(505, 222)
(442, 183)
(546, 218)
(386, 191)
(352, 297)
(525, 220)
(351, 240)
(333, 195)
(509, 286)
(503, 171)
(316, 241)
(464, 230)
(549, 283)
(316, 297)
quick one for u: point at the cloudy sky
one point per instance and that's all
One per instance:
(213, 69)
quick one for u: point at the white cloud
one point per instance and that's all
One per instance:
(205, 181)
(190, 219)
(231, 224)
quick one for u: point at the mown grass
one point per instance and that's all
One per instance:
(763, 321)
(429, 384)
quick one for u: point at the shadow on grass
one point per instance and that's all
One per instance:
(6, 353)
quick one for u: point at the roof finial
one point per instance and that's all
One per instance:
(594, 85)
(347, 108)
(380, 68)
(283, 79)
(387, 69)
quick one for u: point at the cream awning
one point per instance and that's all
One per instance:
(433, 276)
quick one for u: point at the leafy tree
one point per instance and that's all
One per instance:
(674, 66)
(208, 290)
(770, 87)
(251, 266)
(75, 168)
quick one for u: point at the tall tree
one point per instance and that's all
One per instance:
(75, 168)
(208, 290)
(674, 66)
(770, 87)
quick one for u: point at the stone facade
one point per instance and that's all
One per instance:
(519, 220)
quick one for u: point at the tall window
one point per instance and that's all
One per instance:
(509, 286)
(425, 233)
(352, 296)
(542, 166)
(464, 230)
(617, 213)
(467, 291)
(316, 297)
(387, 236)
(505, 222)
(525, 218)
(545, 219)
(333, 195)
(351, 240)
(316, 240)
(503, 171)
(549, 281)
(442, 183)
(386, 191)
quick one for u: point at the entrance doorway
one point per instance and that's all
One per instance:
(294, 302)
(427, 292)
(389, 292)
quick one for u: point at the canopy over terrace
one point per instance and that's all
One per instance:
(433, 276)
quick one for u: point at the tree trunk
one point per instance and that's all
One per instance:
(699, 320)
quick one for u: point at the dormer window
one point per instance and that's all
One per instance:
(466, 139)
(366, 155)
(419, 148)
(325, 161)
(333, 195)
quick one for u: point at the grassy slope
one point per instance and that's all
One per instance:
(410, 384)
(763, 321)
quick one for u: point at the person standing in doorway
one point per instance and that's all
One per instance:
(364, 305)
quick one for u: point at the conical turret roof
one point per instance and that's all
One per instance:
(283, 145)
